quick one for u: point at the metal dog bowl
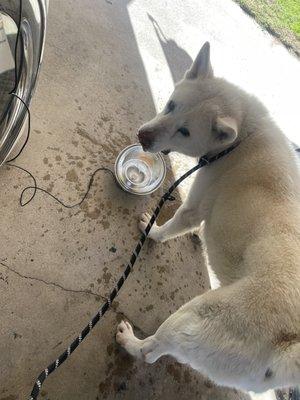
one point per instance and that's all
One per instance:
(139, 172)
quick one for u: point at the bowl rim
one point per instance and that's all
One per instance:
(132, 191)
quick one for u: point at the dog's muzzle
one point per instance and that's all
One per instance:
(146, 138)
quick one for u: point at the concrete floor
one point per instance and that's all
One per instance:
(106, 70)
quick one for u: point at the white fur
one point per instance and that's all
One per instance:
(245, 334)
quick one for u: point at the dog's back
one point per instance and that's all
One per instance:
(252, 235)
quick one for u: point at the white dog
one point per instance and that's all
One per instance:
(245, 334)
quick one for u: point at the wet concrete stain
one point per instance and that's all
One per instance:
(54, 148)
(105, 224)
(118, 371)
(3, 278)
(105, 118)
(187, 377)
(110, 349)
(10, 397)
(72, 157)
(106, 276)
(208, 383)
(46, 177)
(83, 133)
(175, 371)
(50, 187)
(172, 294)
(72, 176)
(17, 335)
(90, 213)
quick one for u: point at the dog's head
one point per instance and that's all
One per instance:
(195, 120)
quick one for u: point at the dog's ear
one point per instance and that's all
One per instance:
(225, 130)
(201, 67)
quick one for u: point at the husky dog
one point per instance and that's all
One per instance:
(246, 333)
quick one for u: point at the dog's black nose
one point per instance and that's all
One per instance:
(146, 138)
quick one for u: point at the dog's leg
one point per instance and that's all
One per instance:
(148, 349)
(216, 336)
(188, 216)
(179, 336)
(185, 220)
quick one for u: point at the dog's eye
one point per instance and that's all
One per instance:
(184, 131)
(170, 107)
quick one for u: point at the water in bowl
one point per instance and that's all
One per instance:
(137, 172)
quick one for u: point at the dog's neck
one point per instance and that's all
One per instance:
(212, 157)
(222, 149)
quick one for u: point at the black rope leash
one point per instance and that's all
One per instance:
(104, 308)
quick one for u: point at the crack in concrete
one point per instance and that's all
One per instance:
(86, 291)
(115, 310)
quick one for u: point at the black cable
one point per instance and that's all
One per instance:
(37, 188)
(28, 128)
(34, 187)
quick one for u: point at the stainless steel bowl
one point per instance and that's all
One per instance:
(139, 172)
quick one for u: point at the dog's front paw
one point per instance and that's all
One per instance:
(144, 221)
(124, 333)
